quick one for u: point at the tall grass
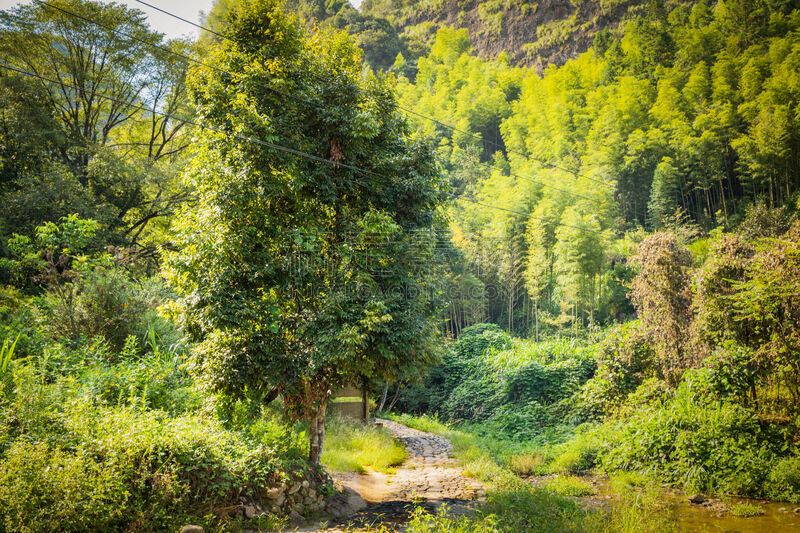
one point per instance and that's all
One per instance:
(6, 353)
(514, 505)
(351, 446)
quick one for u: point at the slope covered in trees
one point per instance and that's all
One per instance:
(682, 122)
(589, 266)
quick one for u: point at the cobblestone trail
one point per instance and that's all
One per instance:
(428, 478)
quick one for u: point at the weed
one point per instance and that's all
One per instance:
(746, 510)
(351, 446)
(569, 486)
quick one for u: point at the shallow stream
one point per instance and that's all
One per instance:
(712, 516)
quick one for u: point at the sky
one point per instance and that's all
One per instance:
(188, 9)
(171, 27)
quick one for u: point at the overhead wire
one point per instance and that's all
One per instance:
(417, 114)
(268, 87)
(278, 147)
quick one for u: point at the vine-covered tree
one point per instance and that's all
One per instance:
(662, 299)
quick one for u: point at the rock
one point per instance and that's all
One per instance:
(296, 519)
(305, 483)
(335, 510)
(354, 500)
(280, 499)
(697, 498)
(273, 493)
(797, 510)
(783, 510)
(294, 488)
(192, 529)
(249, 511)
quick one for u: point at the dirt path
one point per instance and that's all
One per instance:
(428, 478)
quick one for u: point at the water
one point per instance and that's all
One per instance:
(712, 516)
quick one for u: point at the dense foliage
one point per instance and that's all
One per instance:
(201, 242)
(678, 121)
(687, 395)
(299, 275)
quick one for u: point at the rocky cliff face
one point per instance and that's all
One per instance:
(532, 33)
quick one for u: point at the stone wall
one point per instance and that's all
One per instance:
(302, 495)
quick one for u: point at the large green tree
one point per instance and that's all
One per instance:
(298, 275)
(90, 121)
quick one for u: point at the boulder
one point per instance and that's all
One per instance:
(274, 492)
(192, 529)
(697, 498)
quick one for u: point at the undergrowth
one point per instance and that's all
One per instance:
(351, 446)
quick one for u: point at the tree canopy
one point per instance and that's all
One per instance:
(300, 274)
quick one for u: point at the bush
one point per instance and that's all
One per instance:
(156, 471)
(149, 381)
(47, 489)
(695, 442)
(451, 388)
(783, 482)
(569, 486)
(548, 383)
(101, 302)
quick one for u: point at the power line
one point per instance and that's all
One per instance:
(281, 148)
(409, 111)
(162, 48)
(268, 87)
(453, 128)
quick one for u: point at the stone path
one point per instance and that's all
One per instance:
(428, 478)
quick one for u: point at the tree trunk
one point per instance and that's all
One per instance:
(271, 395)
(317, 432)
(383, 396)
(396, 397)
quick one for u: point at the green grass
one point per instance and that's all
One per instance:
(351, 446)
(569, 486)
(346, 399)
(513, 505)
(527, 464)
(746, 510)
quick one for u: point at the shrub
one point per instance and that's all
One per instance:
(48, 489)
(149, 381)
(578, 455)
(746, 510)
(547, 383)
(103, 302)
(569, 486)
(696, 442)
(733, 372)
(159, 471)
(625, 360)
(783, 482)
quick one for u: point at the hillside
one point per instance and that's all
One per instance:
(532, 33)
